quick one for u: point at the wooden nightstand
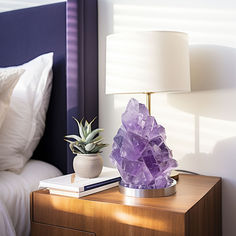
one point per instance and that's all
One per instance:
(195, 210)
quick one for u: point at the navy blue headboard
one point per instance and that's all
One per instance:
(30, 32)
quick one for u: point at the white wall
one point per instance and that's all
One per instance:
(201, 125)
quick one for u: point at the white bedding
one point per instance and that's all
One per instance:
(15, 192)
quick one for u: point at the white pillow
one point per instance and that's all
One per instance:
(25, 121)
(8, 80)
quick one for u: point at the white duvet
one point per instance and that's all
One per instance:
(15, 192)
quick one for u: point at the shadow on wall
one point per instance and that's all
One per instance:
(213, 80)
(217, 66)
(212, 102)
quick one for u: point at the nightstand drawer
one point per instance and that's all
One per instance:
(62, 211)
(38, 229)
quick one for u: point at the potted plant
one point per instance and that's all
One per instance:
(87, 146)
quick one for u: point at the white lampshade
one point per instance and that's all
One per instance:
(147, 62)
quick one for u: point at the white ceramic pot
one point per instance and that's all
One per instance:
(88, 165)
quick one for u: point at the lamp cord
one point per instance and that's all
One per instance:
(187, 172)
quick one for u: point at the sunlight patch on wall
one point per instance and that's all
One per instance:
(208, 26)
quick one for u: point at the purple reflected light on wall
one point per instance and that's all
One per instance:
(72, 54)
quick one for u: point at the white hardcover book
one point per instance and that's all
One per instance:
(84, 193)
(73, 183)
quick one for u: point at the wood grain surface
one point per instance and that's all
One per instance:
(195, 210)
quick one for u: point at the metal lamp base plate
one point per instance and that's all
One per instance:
(149, 193)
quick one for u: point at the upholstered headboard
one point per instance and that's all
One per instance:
(30, 32)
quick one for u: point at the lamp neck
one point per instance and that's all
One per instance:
(148, 102)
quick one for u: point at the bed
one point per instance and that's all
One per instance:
(25, 35)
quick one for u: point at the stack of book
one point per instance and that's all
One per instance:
(73, 186)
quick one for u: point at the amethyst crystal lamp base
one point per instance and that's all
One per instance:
(140, 154)
(149, 193)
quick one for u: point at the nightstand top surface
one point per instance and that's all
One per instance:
(189, 190)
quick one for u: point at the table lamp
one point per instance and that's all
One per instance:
(145, 62)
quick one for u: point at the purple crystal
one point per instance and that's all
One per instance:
(139, 150)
